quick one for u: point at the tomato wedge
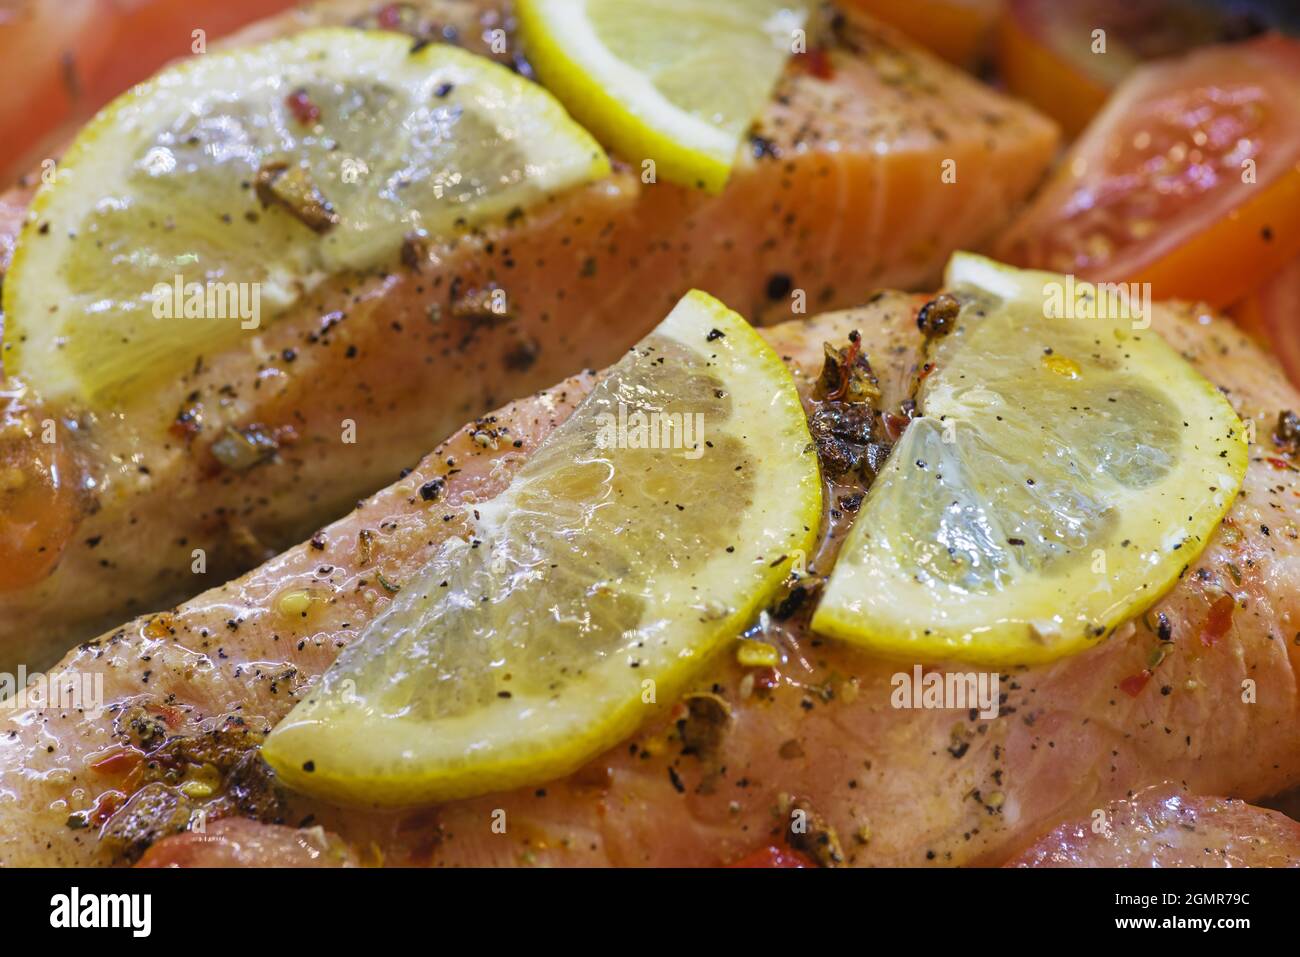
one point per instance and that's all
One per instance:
(61, 61)
(1049, 53)
(1270, 314)
(1189, 179)
(45, 50)
(960, 31)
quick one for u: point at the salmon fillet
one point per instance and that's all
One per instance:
(840, 194)
(189, 694)
(1162, 826)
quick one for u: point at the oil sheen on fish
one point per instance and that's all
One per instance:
(1163, 826)
(189, 694)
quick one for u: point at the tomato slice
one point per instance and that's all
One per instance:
(773, 856)
(1270, 314)
(1049, 53)
(960, 31)
(46, 50)
(61, 60)
(1189, 179)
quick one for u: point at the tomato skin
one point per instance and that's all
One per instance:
(960, 31)
(1189, 179)
(1034, 72)
(773, 856)
(45, 52)
(1269, 313)
(62, 60)
(1066, 58)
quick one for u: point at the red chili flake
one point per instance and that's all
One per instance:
(766, 678)
(390, 16)
(119, 762)
(303, 109)
(895, 425)
(1281, 464)
(926, 370)
(1133, 684)
(285, 435)
(816, 62)
(850, 358)
(772, 856)
(188, 422)
(1218, 621)
(104, 806)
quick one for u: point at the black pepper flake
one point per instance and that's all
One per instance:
(521, 357)
(762, 147)
(430, 490)
(779, 285)
(938, 316)
(1287, 431)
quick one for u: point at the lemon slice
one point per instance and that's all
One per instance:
(1065, 472)
(623, 553)
(675, 81)
(201, 203)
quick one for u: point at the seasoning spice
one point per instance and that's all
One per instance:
(291, 188)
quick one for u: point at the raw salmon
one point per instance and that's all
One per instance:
(189, 694)
(1163, 826)
(843, 190)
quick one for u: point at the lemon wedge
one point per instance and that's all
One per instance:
(200, 204)
(675, 81)
(623, 553)
(1068, 467)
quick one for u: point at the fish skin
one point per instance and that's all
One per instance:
(896, 787)
(846, 197)
(1163, 826)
